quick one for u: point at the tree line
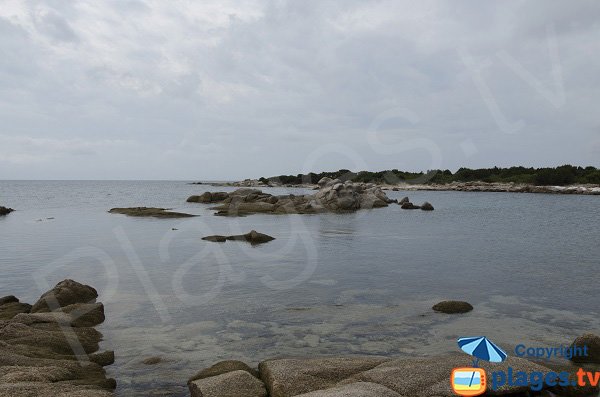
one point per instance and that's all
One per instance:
(559, 176)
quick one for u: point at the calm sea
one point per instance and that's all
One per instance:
(359, 283)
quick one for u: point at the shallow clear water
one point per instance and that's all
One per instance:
(359, 283)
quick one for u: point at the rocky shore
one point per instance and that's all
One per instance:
(359, 376)
(51, 348)
(454, 186)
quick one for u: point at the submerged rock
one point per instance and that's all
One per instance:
(149, 211)
(152, 360)
(452, 307)
(5, 211)
(253, 237)
(592, 343)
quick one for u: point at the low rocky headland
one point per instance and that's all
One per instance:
(332, 196)
(586, 189)
(51, 348)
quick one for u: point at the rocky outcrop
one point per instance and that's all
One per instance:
(356, 376)
(208, 197)
(592, 344)
(10, 307)
(150, 212)
(409, 206)
(253, 237)
(426, 206)
(65, 293)
(5, 211)
(452, 307)
(332, 196)
(46, 352)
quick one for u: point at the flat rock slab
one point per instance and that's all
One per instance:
(253, 237)
(291, 377)
(150, 212)
(359, 389)
(237, 383)
(414, 377)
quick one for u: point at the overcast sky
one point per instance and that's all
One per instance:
(233, 89)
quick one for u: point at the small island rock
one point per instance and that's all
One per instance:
(5, 211)
(452, 307)
(149, 211)
(427, 206)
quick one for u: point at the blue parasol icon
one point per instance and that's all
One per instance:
(482, 348)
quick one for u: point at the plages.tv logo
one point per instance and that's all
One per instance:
(472, 381)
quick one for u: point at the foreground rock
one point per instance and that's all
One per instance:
(224, 367)
(149, 211)
(332, 196)
(253, 237)
(231, 384)
(357, 376)
(46, 352)
(452, 307)
(592, 343)
(5, 211)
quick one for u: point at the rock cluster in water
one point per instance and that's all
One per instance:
(253, 237)
(332, 196)
(354, 376)
(51, 348)
(405, 204)
(5, 211)
(150, 212)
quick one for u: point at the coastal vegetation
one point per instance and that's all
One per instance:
(557, 176)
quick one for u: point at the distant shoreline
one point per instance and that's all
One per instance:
(478, 186)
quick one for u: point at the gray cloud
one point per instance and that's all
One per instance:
(226, 90)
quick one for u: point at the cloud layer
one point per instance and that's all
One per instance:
(227, 90)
